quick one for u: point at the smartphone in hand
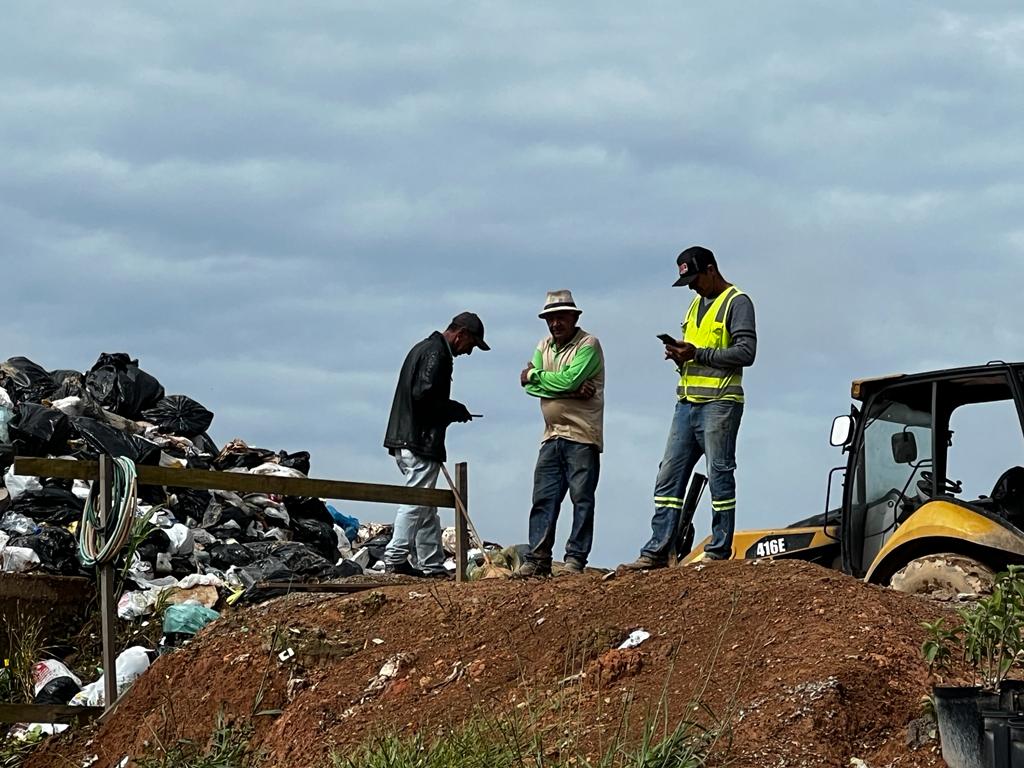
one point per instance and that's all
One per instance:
(666, 339)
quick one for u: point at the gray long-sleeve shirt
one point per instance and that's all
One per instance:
(742, 333)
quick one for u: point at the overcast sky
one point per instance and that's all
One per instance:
(269, 203)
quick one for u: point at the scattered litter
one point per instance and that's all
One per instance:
(388, 672)
(286, 655)
(635, 639)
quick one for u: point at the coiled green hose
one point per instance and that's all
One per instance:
(116, 532)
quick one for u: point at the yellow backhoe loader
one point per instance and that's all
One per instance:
(904, 521)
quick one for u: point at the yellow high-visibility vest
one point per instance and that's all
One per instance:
(702, 383)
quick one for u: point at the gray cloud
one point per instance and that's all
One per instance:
(268, 205)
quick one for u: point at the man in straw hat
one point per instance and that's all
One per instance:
(420, 415)
(567, 374)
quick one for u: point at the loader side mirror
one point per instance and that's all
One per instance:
(842, 430)
(904, 448)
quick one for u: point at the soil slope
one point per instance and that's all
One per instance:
(808, 667)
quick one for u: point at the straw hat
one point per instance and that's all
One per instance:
(559, 301)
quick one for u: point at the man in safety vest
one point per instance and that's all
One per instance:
(719, 341)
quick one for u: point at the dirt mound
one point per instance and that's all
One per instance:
(810, 668)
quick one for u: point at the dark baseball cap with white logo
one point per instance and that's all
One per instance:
(692, 262)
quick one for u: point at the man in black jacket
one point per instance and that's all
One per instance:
(420, 415)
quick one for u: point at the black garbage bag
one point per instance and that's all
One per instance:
(53, 505)
(58, 691)
(265, 569)
(103, 438)
(290, 562)
(37, 430)
(6, 458)
(318, 535)
(301, 559)
(377, 545)
(56, 547)
(25, 381)
(345, 569)
(223, 556)
(119, 385)
(68, 384)
(298, 460)
(188, 503)
(238, 455)
(221, 510)
(157, 542)
(179, 415)
(204, 444)
(307, 508)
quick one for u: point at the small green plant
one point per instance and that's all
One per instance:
(25, 644)
(487, 741)
(988, 642)
(228, 747)
(13, 752)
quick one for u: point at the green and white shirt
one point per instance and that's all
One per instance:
(559, 372)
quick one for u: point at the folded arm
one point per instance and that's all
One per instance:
(585, 365)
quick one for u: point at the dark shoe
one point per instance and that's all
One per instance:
(438, 574)
(404, 568)
(531, 570)
(644, 563)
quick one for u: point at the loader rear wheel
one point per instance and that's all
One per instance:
(945, 576)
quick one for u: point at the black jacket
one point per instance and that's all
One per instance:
(423, 408)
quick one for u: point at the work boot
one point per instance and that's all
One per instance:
(404, 568)
(572, 565)
(531, 570)
(644, 563)
(709, 557)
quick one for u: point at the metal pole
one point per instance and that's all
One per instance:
(461, 532)
(108, 613)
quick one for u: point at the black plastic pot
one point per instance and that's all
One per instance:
(1016, 727)
(1011, 696)
(961, 731)
(997, 738)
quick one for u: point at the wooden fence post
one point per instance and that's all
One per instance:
(461, 530)
(108, 615)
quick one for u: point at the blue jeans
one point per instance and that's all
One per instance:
(698, 429)
(563, 465)
(417, 536)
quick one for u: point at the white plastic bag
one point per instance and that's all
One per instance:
(344, 546)
(50, 669)
(130, 666)
(182, 542)
(18, 559)
(635, 639)
(18, 484)
(70, 406)
(6, 414)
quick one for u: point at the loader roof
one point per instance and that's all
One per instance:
(988, 375)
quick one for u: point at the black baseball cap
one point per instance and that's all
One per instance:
(692, 262)
(473, 325)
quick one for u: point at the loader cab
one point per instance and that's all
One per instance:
(916, 438)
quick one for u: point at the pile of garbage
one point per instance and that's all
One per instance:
(191, 543)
